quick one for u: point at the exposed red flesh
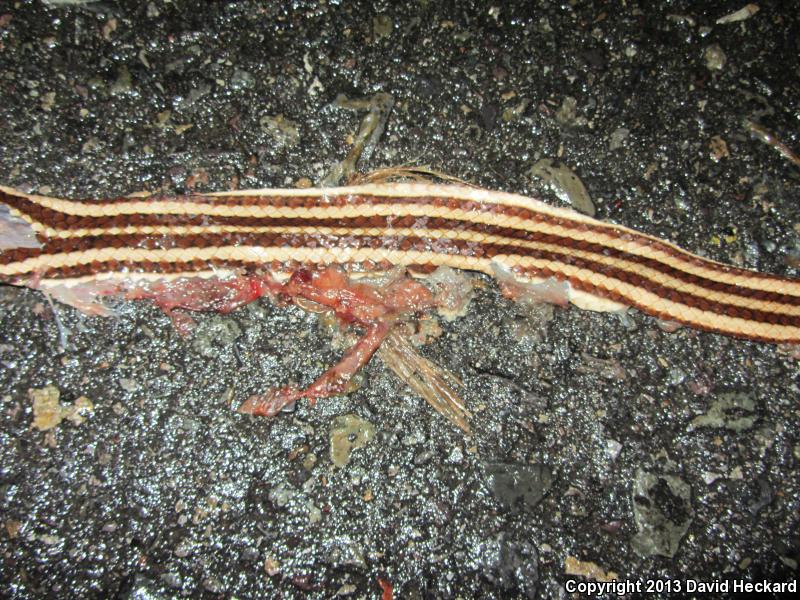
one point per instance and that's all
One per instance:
(355, 302)
(375, 308)
(196, 294)
(218, 295)
(386, 588)
(331, 382)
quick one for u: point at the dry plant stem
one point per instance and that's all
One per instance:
(426, 378)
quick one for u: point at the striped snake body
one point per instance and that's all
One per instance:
(379, 226)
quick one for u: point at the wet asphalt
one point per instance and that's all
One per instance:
(603, 448)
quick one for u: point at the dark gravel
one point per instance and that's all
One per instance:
(585, 444)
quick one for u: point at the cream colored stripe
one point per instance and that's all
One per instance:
(638, 296)
(420, 190)
(393, 190)
(621, 238)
